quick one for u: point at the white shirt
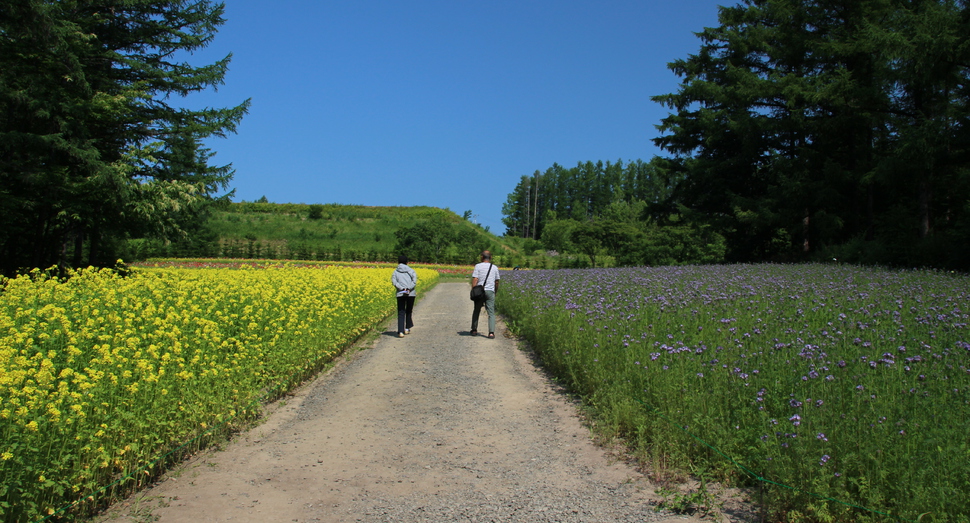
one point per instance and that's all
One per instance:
(481, 270)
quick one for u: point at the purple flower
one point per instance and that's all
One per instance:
(824, 460)
(796, 420)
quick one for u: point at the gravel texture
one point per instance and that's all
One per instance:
(438, 426)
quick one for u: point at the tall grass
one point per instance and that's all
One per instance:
(844, 391)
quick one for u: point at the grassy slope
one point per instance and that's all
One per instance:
(345, 227)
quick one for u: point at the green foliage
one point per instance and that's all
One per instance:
(557, 234)
(91, 151)
(623, 218)
(342, 232)
(624, 236)
(439, 240)
(587, 236)
(801, 130)
(582, 193)
(700, 501)
(675, 245)
(803, 126)
(315, 212)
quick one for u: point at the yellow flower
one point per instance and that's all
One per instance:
(205, 344)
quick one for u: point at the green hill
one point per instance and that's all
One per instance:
(319, 232)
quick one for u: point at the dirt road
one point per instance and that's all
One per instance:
(436, 426)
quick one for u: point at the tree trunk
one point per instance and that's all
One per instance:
(78, 248)
(925, 199)
(94, 249)
(870, 213)
(806, 245)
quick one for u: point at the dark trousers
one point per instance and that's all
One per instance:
(405, 304)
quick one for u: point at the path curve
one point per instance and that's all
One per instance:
(439, 426)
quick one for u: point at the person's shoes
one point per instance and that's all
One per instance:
(491, 335)
(473, 332)
(407, 331)
(400, 335)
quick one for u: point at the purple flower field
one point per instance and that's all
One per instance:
(840, 382)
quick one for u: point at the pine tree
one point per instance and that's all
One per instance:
(92, 148)
(802, 124)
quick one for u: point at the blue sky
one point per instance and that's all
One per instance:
(440, 103)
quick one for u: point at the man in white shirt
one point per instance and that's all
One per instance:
(487, 275)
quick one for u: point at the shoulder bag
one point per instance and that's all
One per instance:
(478, 291)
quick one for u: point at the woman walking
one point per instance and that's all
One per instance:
(405, 280)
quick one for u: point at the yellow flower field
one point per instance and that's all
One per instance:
(106, 379)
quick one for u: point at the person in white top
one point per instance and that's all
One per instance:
(486, 274)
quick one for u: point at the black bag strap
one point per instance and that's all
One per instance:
(482, 282)
(486, 275)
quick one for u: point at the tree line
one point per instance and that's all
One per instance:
(615, 209)
(94, 147)
(804, 130)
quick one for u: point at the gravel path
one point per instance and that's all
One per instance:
(439, 426)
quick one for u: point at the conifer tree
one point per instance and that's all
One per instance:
(93, 147)
(809, 124)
